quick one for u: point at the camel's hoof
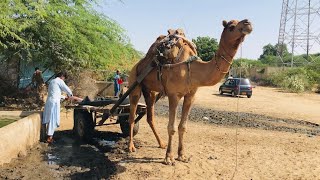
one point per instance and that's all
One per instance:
(162, 146)
(132, 149)
(183, 159)
(169, 161)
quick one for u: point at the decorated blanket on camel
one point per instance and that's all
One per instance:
(166, 50)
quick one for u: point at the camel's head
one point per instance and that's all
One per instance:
(172, 44)
(180, 46)
(236, 30)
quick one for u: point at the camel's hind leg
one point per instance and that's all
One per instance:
(150, 98)
(134, 99)
(173, 103)
(182, 128)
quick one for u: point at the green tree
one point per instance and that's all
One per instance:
(272, 50)
(282, 49)
(270, 60)
(206, 47)
(66, 34)
(268, 50)
(270, 54)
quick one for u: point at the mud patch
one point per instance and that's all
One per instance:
(64, 159)
(241, 119)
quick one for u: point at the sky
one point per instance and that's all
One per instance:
(145, 20)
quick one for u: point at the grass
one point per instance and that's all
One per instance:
(7, 120)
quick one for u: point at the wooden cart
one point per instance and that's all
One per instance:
(89, 114)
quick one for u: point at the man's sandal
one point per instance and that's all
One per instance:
(50, 140)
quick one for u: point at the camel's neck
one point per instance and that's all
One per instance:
(217, 68)
(227, 50)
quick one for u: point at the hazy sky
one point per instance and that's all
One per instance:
(145, 20)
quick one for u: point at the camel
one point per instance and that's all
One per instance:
(182, 80)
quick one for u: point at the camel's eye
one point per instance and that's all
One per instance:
(232, 27)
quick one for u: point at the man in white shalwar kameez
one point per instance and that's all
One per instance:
(51, 114)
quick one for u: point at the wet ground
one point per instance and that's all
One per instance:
(67, 158)
(106, 157)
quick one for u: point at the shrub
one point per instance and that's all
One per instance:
(313, 73)
(292, 80)
(294, 83)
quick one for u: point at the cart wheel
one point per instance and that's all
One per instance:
(83, 125)
(125, 126)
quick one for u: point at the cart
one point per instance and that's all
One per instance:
(89, 114)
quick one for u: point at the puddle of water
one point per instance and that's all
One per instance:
(52, 159)
(103, 142)
(124, 161)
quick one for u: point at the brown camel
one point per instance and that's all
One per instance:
(182, 80)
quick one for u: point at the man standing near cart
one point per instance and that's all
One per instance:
(51, 114)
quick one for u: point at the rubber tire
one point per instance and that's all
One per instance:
(249, 96)
(125, 126)
(233, 94)
(83, 125)
(220, 92)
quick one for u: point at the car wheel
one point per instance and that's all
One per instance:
(220, 92)
(233, 94)
(249, 96)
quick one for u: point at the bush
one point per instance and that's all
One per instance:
(314, 74)
(294, 83)
(293, 80)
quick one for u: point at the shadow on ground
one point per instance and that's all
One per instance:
(79, 160)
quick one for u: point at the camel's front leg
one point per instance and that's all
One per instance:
(134, 98)
(188, 100)
(173, 103)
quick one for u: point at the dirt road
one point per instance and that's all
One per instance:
(278, 137)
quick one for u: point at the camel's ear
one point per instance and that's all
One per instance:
(180, 32)
(224, 23)
(171, 31)
(160, 37)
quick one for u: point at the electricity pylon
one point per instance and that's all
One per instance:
(299, 29)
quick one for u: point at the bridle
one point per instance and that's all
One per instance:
(222, 57)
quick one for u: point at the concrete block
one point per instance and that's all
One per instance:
(16, 138)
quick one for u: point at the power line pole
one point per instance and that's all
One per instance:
(299, 29)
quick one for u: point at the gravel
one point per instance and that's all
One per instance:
(241, 119)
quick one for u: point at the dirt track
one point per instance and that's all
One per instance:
(278, 138)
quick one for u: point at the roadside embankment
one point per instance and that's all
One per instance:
(17, 137)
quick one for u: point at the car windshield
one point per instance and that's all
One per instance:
(243, 81)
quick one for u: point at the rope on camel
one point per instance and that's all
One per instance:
(238, 120)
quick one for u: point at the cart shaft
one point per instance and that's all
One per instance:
(132, 87)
